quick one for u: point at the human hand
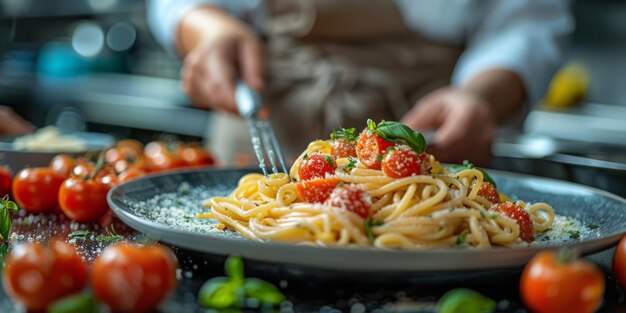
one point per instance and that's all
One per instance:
(12, 124)
(225, 50)
(464, 125)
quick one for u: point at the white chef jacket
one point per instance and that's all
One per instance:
(527, 37)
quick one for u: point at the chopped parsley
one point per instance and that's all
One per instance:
(344, 133)
(330, 161)
(351, 164)
(368, 228)
(593, 226)
(306, 155)
(379, 158)
(461, 239)
(574, 234)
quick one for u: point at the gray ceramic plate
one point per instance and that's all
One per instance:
(163, 206)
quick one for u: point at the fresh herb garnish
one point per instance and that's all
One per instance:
(83, 303)
(379, 158)
(465, 300)
(369, 223)
(5, 217)
(461, 239)
(593, 226)
(351, 164)
(111, 236)
(345, 133)
(574, 234)
(306, 155)
(398, 132)
(81, 235)
(467, 165)
(231, 291)
(329, 160)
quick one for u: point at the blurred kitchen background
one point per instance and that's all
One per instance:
(93, 65)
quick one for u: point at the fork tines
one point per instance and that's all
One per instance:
(266, 146)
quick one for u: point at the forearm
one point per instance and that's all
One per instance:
(503, 90)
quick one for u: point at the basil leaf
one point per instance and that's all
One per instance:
(234, 269)
(465, 300)
(263, 291)
(5, 224)
(80, 303)
(220, 293)
(398, 132)
(347, 133)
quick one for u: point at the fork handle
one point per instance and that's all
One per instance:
(248, 100)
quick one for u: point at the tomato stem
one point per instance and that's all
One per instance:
(99, 165)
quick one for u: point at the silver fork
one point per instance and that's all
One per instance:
(264, 141)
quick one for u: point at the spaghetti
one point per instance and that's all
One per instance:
(437, 209)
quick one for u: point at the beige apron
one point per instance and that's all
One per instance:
(334, 64)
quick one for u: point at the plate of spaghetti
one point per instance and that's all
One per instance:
(369, 201)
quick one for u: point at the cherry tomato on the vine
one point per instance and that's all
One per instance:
(36, 190)
(371, 148)
(62, 164)
(84, 200)
(37, 276)
(317, 165)
(194, 155)
(559, 283)
(131, 278)
(351, 198)
(520, 216)
(5, 181)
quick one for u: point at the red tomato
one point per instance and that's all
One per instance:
(63, 164)
(343, 148)
(489, 192)
(402, 161)
(317, 165)
(134, 278)
(619, 262)
(37, 276)
(351, 198)
(551, 285)
(371, 148)
(520, 216)
(131, 145)
(83, 170)
(5, 181)
(194, 155)
(131, 173)
(36, 190)
(84, 200)
(316, 190)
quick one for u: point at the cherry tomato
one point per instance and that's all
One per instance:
(351, 198)
(371, 148)
(316, 190)
(489, 192)
(619, 262)
(5, 181)
(131, 173)
(84, 200)
(63, 164)
(551, 283)
(343, 148)
(520, 216)
(194, 155)
(317, 165)
(36, 190)
(402, 161)
(134, 278)
(131, 144)
(83, 169)
(37, 276)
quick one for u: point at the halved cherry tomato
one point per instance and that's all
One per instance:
(489, 192)
(84, 200)
(520, 216)
(316, 190)
(402, 161)
(131, 278)
(37, 276)
(552, 283)
(343, 148)
(63, 164)
(194, 155)
(371, 148)
(619, 262)
(317, 165)
(351, 198)
(36, 190)
(5, 181)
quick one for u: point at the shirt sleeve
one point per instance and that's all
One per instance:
(526, 37)
(164, 15)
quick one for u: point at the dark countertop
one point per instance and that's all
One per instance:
(310, 290)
